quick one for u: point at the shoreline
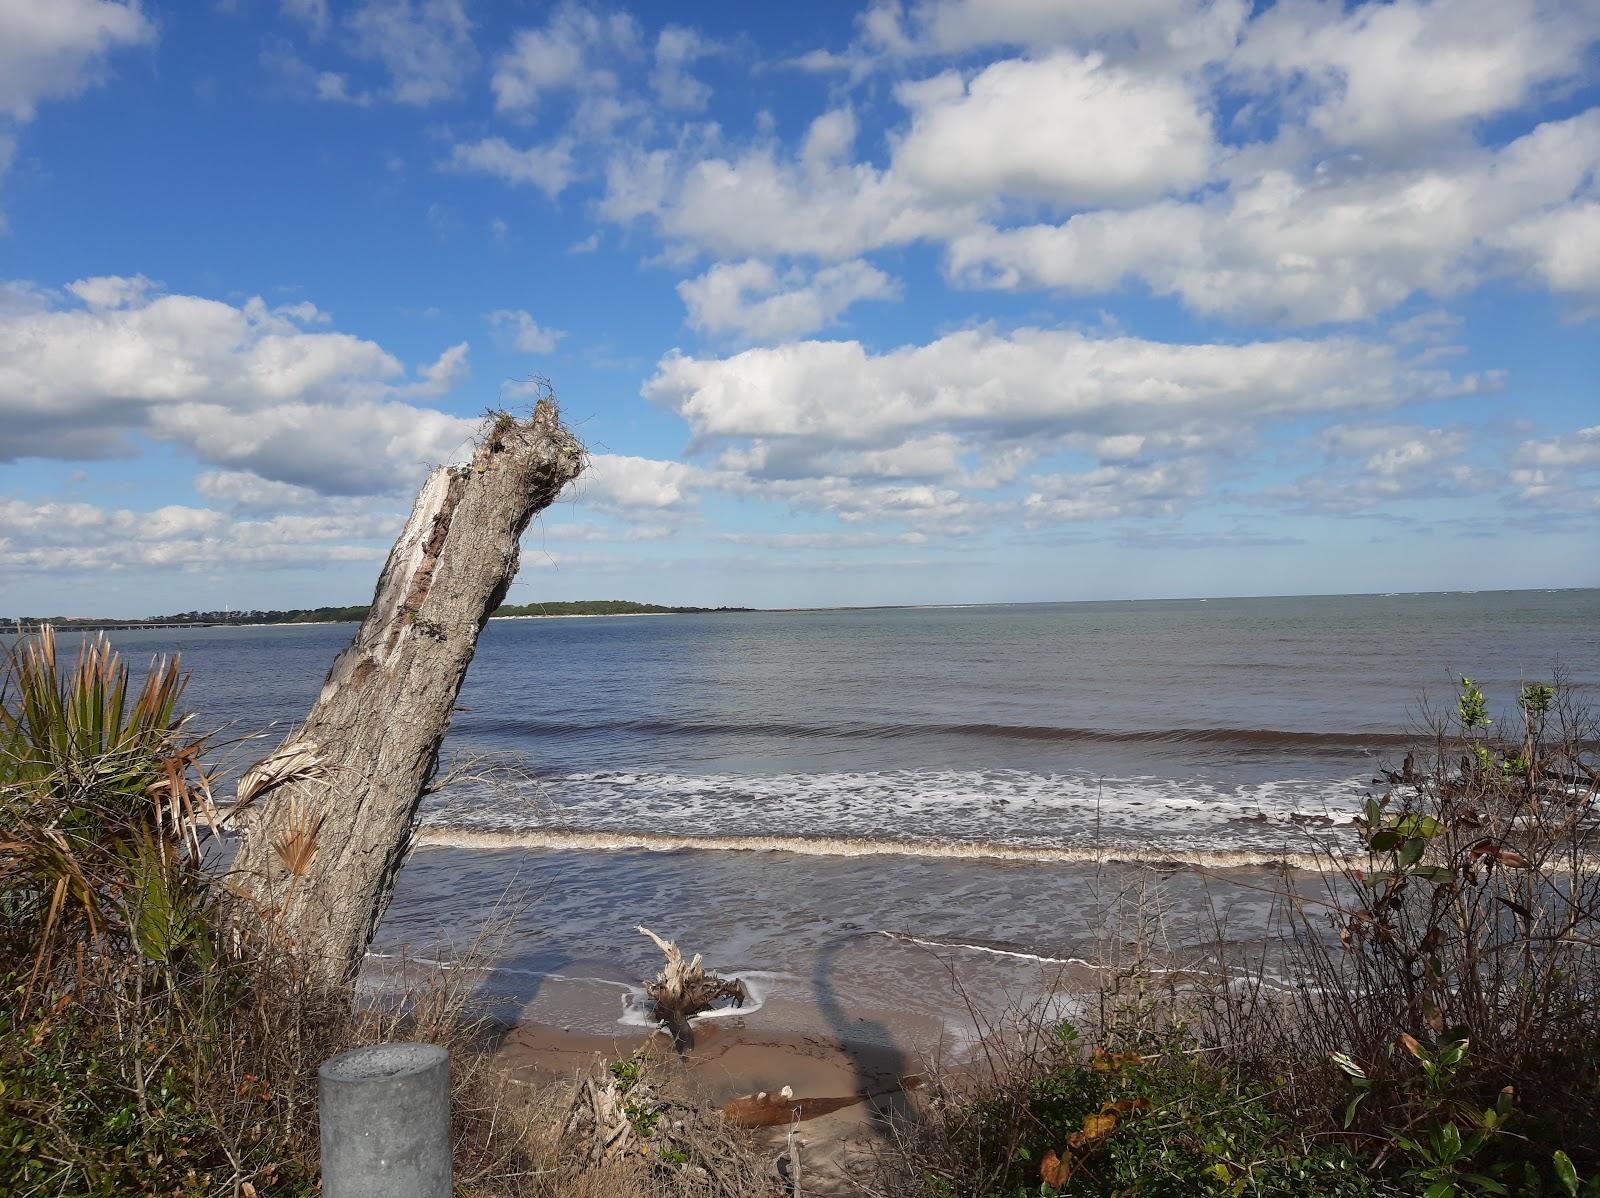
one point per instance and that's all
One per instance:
(136, 625)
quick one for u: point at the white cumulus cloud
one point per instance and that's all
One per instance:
(1070, 130)
(755, 301)
(516, 330)
(1314, 246)
(1032, 381)
(57, 49)
(549, 167)
(247, 386)
(425, 46)
(1383, 76)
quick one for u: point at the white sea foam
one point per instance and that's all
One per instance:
(1018, 954)
(1015, 808)
(1238, 980)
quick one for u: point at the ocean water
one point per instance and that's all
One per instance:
(778, 789)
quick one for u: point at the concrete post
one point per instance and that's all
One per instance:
(386, 1122)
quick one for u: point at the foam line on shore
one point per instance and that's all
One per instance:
(1235, 977)
(436, 836)
(907, 938)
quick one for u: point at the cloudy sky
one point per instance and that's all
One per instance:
(922, 301)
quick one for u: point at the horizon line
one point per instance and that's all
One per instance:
(736, 609)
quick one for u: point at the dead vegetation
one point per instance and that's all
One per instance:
(634, 1113)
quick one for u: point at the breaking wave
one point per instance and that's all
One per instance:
(436, 836)
(1018, 810)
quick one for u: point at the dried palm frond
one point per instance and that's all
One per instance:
(297, 843)
(295, 761)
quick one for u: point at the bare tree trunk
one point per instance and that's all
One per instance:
(328, 817)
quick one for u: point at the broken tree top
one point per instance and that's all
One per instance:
(328, 816)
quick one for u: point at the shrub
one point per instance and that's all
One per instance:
(1472, 918)
(1167, 1121)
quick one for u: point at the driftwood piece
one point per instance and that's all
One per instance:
(683, 989)
(327, 818)
(794, 1164)
(597, 1122)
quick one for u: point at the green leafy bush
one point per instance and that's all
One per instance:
(1471, 917)
(1163, 1120)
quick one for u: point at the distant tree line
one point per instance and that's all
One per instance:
(335, 615)
(603, 607)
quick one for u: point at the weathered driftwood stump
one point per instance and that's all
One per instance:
(683, 989)
(327, 818)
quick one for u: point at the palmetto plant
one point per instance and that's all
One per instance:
(158, 1036)
(101, 796)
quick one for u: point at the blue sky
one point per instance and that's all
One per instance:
(935, 301)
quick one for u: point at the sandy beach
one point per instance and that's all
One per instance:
(831, 1093)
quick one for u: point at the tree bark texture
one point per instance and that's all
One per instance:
(327, 818)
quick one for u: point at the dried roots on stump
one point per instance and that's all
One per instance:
(683, 989)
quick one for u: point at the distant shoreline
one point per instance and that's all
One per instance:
(10, 628)
(137, 626)
(294, 617)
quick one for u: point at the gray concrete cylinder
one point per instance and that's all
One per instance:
(386, 1122)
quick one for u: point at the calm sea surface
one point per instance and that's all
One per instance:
(1199, 728)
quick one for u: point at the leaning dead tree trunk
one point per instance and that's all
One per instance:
(683, 989)
(328, 817)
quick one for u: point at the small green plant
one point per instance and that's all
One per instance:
(628, 1071)
(1449, 1147)
(1444, 1160)
(1567, 1177)
(1536, 699)
(1472, 709)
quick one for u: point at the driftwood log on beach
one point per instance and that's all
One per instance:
(328, 817)
(683, 989)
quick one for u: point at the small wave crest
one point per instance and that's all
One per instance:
(1236, 738)
(992, 949)
(437, 836)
